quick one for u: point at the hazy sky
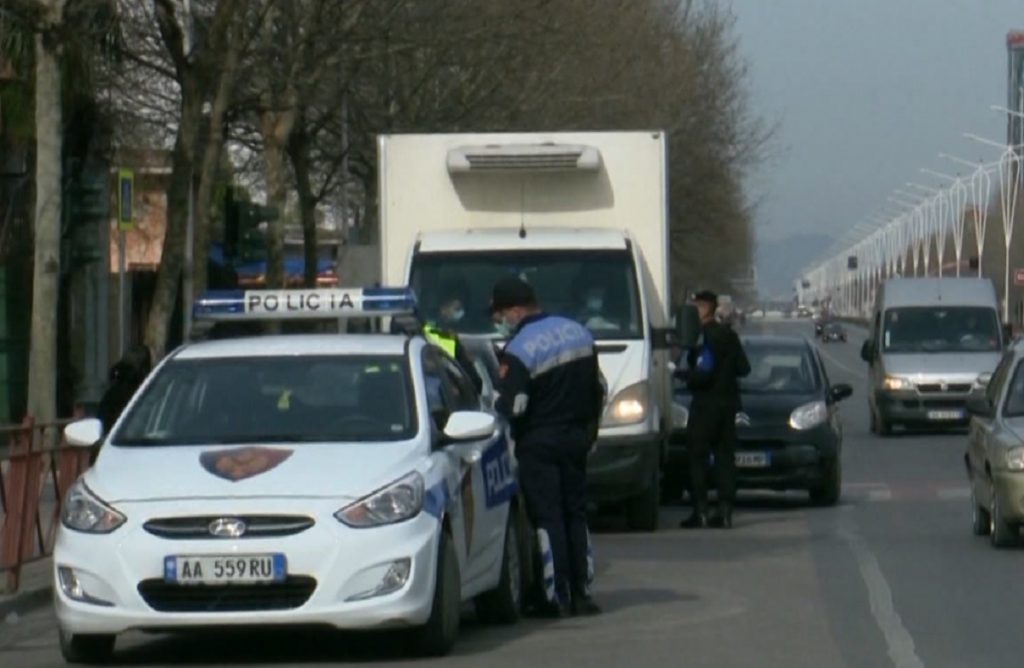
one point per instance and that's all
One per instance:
(867, 92)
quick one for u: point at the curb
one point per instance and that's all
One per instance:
(26, 601)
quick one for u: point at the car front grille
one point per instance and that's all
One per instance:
(168, 597)
(936, 388)
(256, 526)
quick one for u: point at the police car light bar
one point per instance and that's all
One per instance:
(304, 304)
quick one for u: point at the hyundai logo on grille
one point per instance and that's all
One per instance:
(227, 527)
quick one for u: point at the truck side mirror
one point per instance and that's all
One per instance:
(687, 326)
(867, 351)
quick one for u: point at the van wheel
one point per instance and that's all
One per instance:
(642, 511)
(503, 604)
(437, 636)
(93, 650)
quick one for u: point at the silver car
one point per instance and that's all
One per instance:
(995, 452)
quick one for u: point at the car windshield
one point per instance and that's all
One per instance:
(596, 287)
(941, 329)
(273, 399)
(779, 370)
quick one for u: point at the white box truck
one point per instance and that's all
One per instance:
(582, 217)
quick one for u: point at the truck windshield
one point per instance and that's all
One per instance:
(928, 329)
(596, 287)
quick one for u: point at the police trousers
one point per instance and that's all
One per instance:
(553, 477)
(712, 430)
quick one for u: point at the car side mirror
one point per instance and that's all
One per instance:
(687, 326)
(83, 433)
(840, 391)
(980, 406)
(867, 351)
(469, 426)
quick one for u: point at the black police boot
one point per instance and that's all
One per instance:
(583, 606)
(698, 519)
(723, 518)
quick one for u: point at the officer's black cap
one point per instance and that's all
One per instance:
(510, 292)
(707, 297)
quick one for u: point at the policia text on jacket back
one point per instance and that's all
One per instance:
(551, 391)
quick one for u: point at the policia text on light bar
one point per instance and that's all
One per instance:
(303, 304)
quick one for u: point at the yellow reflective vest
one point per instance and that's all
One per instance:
(445, 341)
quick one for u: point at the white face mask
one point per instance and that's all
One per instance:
(506, 327)
(457, 315)
(595, 303)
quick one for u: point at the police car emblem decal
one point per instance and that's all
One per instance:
(241, 463)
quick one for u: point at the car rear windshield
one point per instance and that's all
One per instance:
(273, 399)
(780, 370)
(947, 329)
(596, 287)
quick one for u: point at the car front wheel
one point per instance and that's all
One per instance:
(828, 490)
(437, 636)
(1001, 532)
(503, 604)
(93, 650)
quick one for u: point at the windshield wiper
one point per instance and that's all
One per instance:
(140, 441)
(262, 438)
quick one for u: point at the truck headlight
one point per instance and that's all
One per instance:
(397, 502)
(1015, 459)
(83, 511)
(808, 416)
(897, 383)
(627, 407)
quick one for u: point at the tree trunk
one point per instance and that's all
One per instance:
(172, 256)
(42, 364)
(210, 168)
(276, 126)
(298, 151)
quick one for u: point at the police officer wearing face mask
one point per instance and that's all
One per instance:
(551, 392)
(446, 338)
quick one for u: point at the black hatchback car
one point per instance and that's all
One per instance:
(789, 431)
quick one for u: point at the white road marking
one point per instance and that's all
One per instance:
(880, 495)
(898, 641)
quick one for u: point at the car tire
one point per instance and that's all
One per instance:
(642, 510)
(882, 426)
(828, 491)
(437, 636)
(91, 650)
(981, 519)
(504, 603)
(1002, 533)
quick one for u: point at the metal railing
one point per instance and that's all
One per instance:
(36, 469)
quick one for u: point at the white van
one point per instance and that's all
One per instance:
(933, 341)
(580, 216)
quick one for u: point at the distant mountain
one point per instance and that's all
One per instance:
(779, 262)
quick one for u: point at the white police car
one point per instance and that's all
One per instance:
(349, 480)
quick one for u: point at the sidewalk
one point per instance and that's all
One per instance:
(34, 590)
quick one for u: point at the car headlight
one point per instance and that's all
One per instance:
(808, 416)
(397, 502)
(1015, 459)
(83, 511)
(628, 407)
(897, 383)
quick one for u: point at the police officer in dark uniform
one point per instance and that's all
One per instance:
(550, 390)
(715, 366)
(125, 378)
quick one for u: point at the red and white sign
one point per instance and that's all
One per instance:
(1018, 277)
